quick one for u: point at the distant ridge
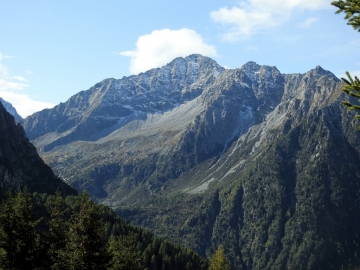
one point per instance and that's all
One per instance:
(10, 108)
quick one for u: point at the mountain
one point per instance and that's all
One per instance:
(259, 162)
(20, 165)
(9, 107)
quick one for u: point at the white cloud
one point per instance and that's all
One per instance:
(23, 104)
(7, 82)
(252, 48)
(307, 23)
(162, 46)
(12, 90)
(20, 79)
(255, 15)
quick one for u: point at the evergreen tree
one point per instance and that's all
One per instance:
(85, 242)
(56, 237)
(124, 254)
(352, 10)
(352, 86)
(19, 239)
(218, 261)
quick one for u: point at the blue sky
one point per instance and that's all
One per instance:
(51, 50)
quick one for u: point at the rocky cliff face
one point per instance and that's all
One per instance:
(20, 165)
(251, 159)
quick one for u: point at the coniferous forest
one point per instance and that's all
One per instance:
(41, 231)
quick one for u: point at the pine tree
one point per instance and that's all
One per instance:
(85, 242)
(19, 239)
(218, 261)
(352, 10)
(352, 86)
(56, 237)
(124, 254)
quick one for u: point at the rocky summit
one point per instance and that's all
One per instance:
(261, 163)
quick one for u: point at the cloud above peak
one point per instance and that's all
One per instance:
(12, 89)
(162, 46)
(252, 16)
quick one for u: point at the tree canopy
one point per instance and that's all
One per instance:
(218, 261)
(41, 231)
(352, 85)
(352, 10)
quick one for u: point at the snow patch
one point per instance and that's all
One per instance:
(245, 84)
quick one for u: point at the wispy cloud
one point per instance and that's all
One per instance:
(20, 79)
(23, 104)
(252, 48)
(162, 46)
(252, 16)
(307, 23)
(4, 56)
(8, 82)
(12, 89)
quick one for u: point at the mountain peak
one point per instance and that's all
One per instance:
(319, 71)
(251, 65)
(194, 56)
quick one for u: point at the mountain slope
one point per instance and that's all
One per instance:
(284, 195)
(20, 164)
(251, 159)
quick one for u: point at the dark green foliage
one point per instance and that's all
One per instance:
(56, 235)
(76, 233)
(218, 261)
(125, 255)
(85, 246)
(352, 10)
(352, 86)
(19, 239)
